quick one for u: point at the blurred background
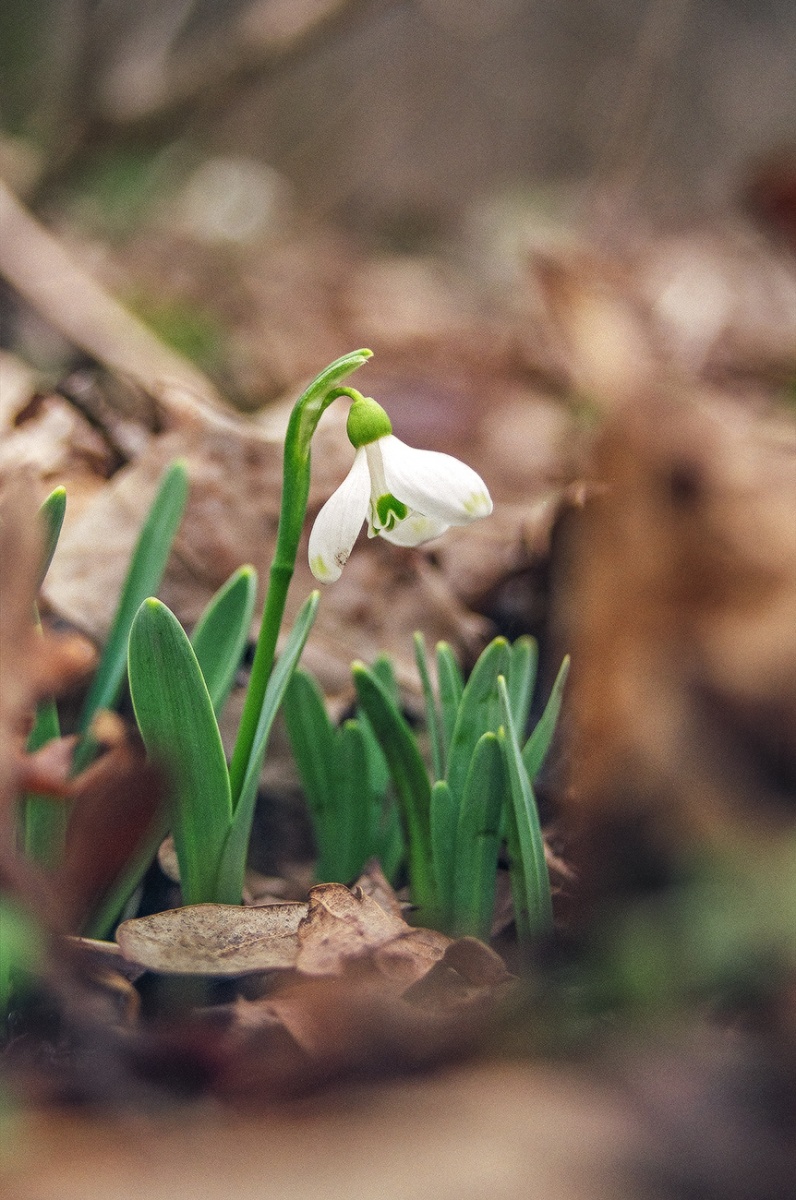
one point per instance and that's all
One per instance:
(398, 117)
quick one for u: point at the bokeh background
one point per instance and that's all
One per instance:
(401, 117)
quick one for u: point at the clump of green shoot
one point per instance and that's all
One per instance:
(480, 789)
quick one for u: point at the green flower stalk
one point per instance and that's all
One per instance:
(295, 492)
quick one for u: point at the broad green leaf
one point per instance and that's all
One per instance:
(233, 863)
(478, 839)
(220, 636)
(444, 823)
(530, 883)
(538, 744)
(433, 723)
(175, 715)
(521, 679)
(451, 686)
(409, 776)
(51, 515)
(479, 711)
(143, 579)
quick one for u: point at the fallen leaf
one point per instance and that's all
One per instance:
(342, 925)
(214, 939)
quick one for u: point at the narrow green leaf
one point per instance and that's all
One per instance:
(312, 739)
(222, 631)
(143, 579)
(44, 818)
(433, 722)
(451, 686)
(175, 715)
(390, 847)
(51, 515)
(444, 823)
(356, 837)
(378, 771)
(530, 883)
(233, 863)
(479, 711)
(409, 776)
(521, 679)
(538, 744)
(384, 671)
(478, 839)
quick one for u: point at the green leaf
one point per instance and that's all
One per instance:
(530, 883)
(233, 863)
(44, 818)
(312, 738)
(478, 839)
(51, 515)
(521, 679)
(221, 633)
(22, 951)
(409, 776)
(444, 823)
(451, 686)
(479, 711)
(433, 722)
(382, 667)
(538, 744)
(353, 807)
(143, 579)
(175, 715)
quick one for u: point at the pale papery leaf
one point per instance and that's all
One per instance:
(214, 939)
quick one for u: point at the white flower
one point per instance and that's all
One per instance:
(407, 496)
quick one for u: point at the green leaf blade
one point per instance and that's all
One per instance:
(521, 679)
(222, 631)
(233, 862)
(433, 721)
(144, 575)
(175, 716)
(451, 686)
(409, 776)
(444, 824)
(538, 744)
(51, 516)
(529, 878)
(479, 711)
(478, 839)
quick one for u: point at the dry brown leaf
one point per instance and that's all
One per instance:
(342, 925)
(214, 939)
(374, 883)
(21, 652)
(115, 803)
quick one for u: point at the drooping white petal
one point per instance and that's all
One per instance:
(414, 530)
(434, 484)
(339, 521)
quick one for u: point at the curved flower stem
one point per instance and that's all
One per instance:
(295, 491)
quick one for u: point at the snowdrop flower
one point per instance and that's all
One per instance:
(406, 496)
